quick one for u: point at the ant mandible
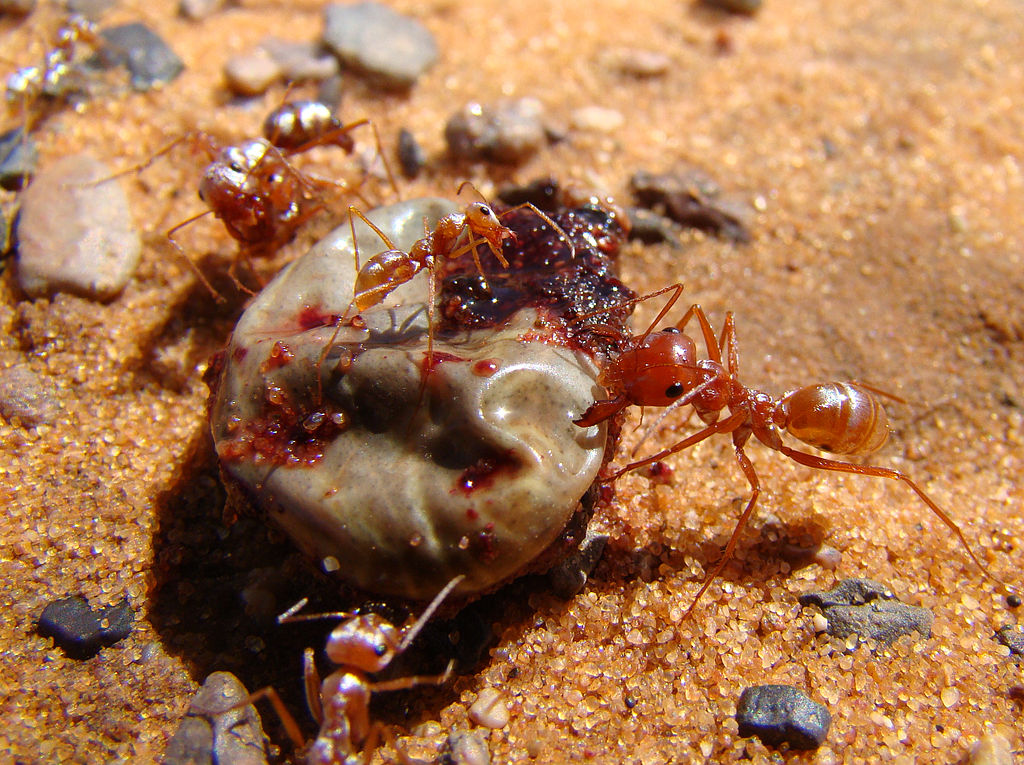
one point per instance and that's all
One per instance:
(661, 369)
(360, 646)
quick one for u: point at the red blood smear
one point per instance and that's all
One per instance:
(486, 367)
(311, 318)
(437, 359)
(483, 472)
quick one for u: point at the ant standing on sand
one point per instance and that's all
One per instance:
(661, 369)
(361, 645)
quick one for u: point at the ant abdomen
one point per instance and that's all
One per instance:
(838, 417)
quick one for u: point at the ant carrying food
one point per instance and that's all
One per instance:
(360, 646)
(661, 369)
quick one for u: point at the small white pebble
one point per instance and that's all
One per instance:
(490, 709)
(949, 697)
(820, 623)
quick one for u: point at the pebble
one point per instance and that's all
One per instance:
(748, 7)
(27, 397)
(465, 747)
(301, 61)
(598, 119)
(1012, 637)
(200, 9)
(690, 197)
(252, 73)
(782, 714)
(90, 9)
(81, 631)
(509, 132)
(391, 49)
(640, 62)
(76, 237)
(1013, 601)
(992, 749)
(215, 731)
(490, 709)
(868, 609)
(411, 156)
(542, 193)
(18, 159)
(149, 60)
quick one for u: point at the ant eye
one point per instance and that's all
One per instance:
(674, 390)
(671, 330)
(235, 167)
(484, 210)
(380, 649)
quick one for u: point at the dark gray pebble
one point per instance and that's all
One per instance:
(301, 61)
(18, 159)
(149, 60)
(27, 397)
(219, 728)
(509, 132)
(692, 199)
(411, 156)
(1013, 601)
(1012, 637)
(568, 576)
(782, 714)
(849, 592)
(391, 49)
(747, 7)
(81, 631)
(465, 747)
(869, 609)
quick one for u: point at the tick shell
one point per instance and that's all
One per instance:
(403, 486)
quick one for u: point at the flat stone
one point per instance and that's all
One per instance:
(597, 119)
(389, 48)
(509, 131)
(149, 60)
(691, 198)
(868, 609)
(301, 61)
(82, 631)
(27, 397)
(252, 73)
(219, 728)
(75, 235)
(782, 714)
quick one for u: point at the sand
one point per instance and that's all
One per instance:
(880, 144)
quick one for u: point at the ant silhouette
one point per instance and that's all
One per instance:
(360, 646)
(661, 369)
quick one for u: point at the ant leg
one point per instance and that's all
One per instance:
(730, 546)
(195, 267)
(291, 727)
(311, 679)
(729, 344)
(713, 348)
(823, 463)
(404, 683)
(727, 425)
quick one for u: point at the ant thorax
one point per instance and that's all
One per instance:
(400, 449)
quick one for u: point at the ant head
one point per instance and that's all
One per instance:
(367, 642)
(661, 370)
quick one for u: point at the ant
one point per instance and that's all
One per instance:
(255, 190)
(661, 369)
(58, 78)
(360, 646)
(452, 237)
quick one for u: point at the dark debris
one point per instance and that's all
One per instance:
(692, 199)
(869, 609)
(82, 631)
(782, 714)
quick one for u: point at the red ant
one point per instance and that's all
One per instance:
(389, 269)
(360, 646)
(662, 369)
(253, 188)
